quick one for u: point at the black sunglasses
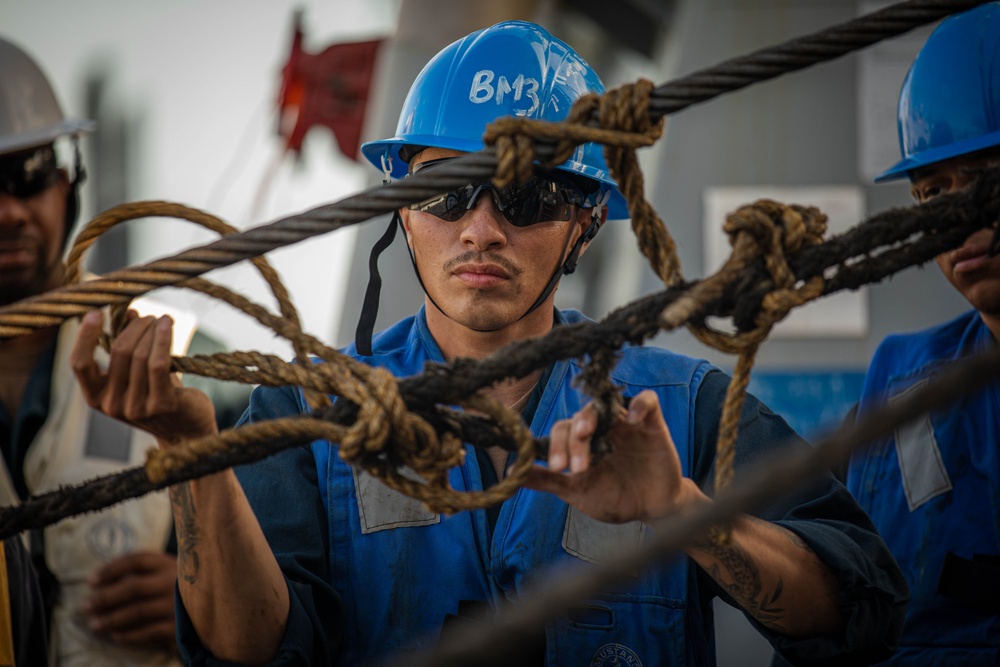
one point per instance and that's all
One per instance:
(546, 197)
(24, 175)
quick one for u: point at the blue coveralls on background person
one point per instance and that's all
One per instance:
(933, 487)
(934, 492)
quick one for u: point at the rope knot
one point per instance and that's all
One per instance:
(621, 117)
(774, 230)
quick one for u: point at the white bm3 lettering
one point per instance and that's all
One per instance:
(483, 90)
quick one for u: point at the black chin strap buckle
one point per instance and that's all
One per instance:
(569, 266)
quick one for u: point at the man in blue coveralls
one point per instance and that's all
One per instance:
(302, 560)
(933, 488)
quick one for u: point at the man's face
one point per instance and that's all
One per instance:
(969, 268)
(32, 225)
(484, 272)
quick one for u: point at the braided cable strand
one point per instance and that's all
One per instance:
(120, 286)
(869, 252)
(801, 53)
(116, 287)
(382, 415)
(384, 425)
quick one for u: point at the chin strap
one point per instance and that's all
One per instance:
(369, 308)
(569, 266)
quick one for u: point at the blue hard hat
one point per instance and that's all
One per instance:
(950, 101)
(513, 68)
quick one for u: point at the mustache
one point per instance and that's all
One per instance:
(14, 235)
(482, 257)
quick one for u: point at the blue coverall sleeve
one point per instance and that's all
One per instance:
(284, 494)
(871, 594)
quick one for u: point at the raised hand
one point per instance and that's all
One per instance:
(138, 386)
(641, 479)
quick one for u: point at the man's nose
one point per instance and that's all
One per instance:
(12, 210)
(483, 225)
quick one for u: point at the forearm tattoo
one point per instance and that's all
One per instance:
(738, 574)
(187, 532)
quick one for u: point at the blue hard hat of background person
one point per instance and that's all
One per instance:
(513, 68)
(950, 101)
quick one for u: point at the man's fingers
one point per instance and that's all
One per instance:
(138, 376)
(549, 481)
(82, 361)
(643, 408)
(559, 445)
(161, 379)
(583, 425)
(120, 367)
(136, 614)
(163, 633)
(130, 592)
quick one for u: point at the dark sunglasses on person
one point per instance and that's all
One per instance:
(547, 197)
(26, 174)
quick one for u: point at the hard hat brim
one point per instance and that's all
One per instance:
(46, 135)
(928, 157)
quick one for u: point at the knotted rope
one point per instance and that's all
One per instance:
(871, 251)
(765, 229)
(624, 125)
(768, 229)
(679, 306)
(386, 437)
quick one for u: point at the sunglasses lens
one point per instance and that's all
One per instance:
(450, 206)
(545, 198)
(540, 200)
(22, 187)
(25, 175)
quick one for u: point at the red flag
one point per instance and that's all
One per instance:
(329, 88)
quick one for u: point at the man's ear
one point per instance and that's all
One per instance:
(584, 218)
(404, 217)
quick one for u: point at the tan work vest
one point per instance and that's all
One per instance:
(77, 444)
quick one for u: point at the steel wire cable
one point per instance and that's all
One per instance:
(121, 286)
(800, 53)
(940, 224)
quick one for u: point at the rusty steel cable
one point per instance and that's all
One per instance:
(121, 286)
(800, 53)
(869, 252)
